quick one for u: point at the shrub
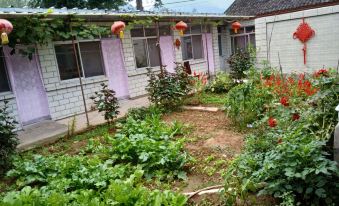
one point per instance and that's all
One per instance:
(240, 62)
(143, 112)
(286, 155)
(168, 90)
(8, 139)
(106, 101)
(221, 84)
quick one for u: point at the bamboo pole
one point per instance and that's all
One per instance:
(207, 54)
(79, 73)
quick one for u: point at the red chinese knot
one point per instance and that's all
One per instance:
(304, 33)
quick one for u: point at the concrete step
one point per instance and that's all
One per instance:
(39, 134)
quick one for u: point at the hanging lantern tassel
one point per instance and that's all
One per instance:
(181, 27)
(121, 34)
(118, 29)
(6, 28)
(4, 38)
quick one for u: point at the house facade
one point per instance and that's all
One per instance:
(275, 22)
(48, 86)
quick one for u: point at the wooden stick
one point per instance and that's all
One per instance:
(192, 194)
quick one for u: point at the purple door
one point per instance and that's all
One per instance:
(209, 51)
(28, 88)
(115, 68)
(167, 52)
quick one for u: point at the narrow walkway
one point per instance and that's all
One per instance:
(50, 131)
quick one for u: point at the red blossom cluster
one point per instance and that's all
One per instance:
(286, 87)
(272, 122)
(321, 73)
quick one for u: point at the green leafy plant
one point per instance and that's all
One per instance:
(240, 62)
(286, 156)
(8, 139)
(106, 101)
(168, 90)
(221, 84)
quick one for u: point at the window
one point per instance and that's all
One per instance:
(4, 83)
(192, 47)
(243, 39)
(145, 45)
(90, 60)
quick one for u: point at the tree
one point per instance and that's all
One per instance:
(90, 4)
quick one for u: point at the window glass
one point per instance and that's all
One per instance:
(196, 29)
(164, 30)
(252, 40)
(140, 52)
(138, 32)
(239, 43)
(250, 29)
(197, 47)
(187, 50)
(219, 29)
(66, 61)
(220, 45)
(150, 32)
(91, 58)
(4, 84)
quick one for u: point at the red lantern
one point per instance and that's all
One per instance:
(118, 28)
(6, 28)
(235, 26)
(181, 27)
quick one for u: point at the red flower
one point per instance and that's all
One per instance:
(295, 117)
(284, 101)
(272, 122)
(321, 72)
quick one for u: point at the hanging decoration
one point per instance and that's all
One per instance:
(118, 28)
(304, 33)
(177, 44)
(236, 26)
(181, 27)
(6, 28)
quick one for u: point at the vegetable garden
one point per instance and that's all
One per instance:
(270, 146)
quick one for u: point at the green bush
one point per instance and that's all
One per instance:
(168, 90)
(8, 139)
(240, 62)
(221, 84)
(106, 101)
(286, 158)
(143, 112)
(246, 103)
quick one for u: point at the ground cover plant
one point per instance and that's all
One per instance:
(286, 156)
(111, 169)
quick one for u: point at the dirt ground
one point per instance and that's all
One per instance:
(212, 142)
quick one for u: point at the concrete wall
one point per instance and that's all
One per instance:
(65, 98)
(322, 49)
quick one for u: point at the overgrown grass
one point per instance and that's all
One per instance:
(208, 99)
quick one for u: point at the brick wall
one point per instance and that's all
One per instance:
(64, 97)
(137, 78)
(12, 106)
(322, 50)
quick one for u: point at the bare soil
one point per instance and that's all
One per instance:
(212, 143)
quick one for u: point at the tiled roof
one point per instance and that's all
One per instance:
(108, 14)
(264, 7)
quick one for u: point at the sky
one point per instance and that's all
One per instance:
(204, 6)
